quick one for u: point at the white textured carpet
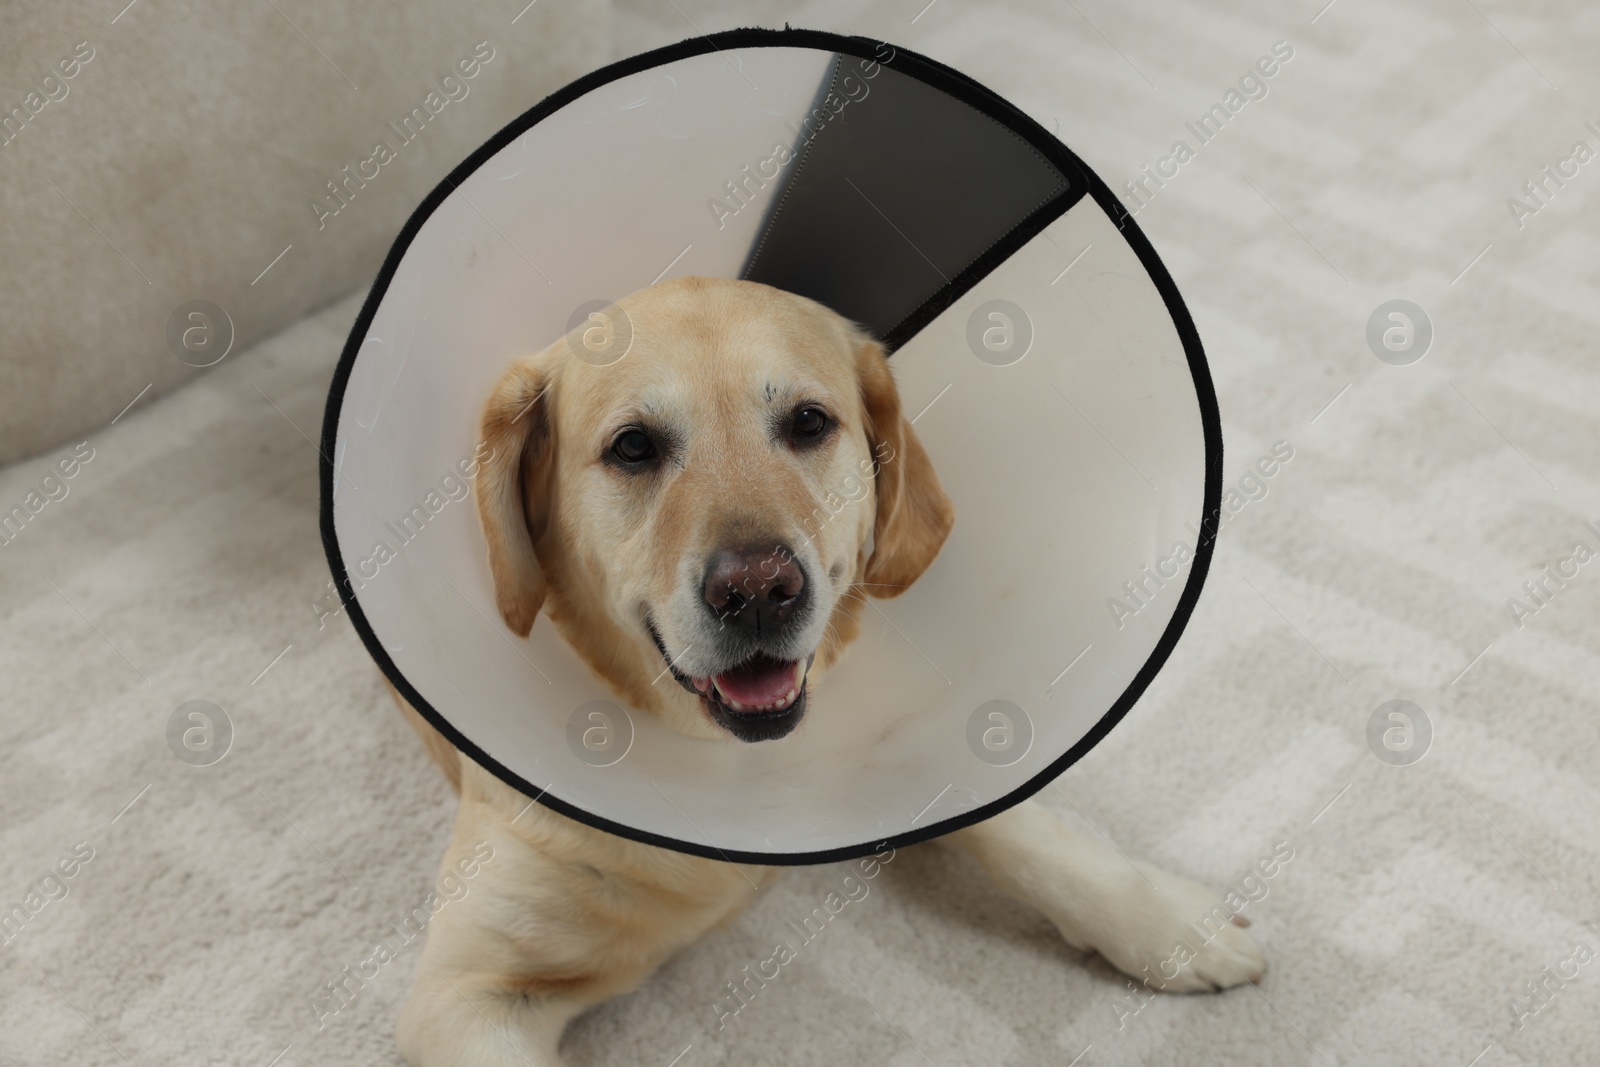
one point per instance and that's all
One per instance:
(185, 559)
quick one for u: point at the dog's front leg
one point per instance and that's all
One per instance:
(1150, 923)
(462, 1021)
(498, 981)
(558, 917)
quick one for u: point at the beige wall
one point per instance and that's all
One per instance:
(168, 154)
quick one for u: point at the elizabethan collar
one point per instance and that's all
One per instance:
(1056, 379)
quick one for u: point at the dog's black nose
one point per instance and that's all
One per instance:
(758, 589)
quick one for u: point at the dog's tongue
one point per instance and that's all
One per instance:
(760, 681)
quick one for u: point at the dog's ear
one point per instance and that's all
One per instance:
(513, 489)
(914, 516)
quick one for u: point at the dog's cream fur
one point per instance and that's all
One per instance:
(566, 916)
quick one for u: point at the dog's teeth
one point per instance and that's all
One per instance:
(787, 700)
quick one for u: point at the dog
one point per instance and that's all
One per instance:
(658, 510)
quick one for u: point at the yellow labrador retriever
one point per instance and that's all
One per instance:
(666, 512)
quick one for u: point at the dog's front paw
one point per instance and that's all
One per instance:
(1175, 935)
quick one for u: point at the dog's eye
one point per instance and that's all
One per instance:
(633, 447)
(809, 422)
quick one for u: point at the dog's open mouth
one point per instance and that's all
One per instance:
(761, 699)
(760, 684)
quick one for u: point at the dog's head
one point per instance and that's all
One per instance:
(702, 517)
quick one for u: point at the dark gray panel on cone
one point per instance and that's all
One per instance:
(899, 188)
